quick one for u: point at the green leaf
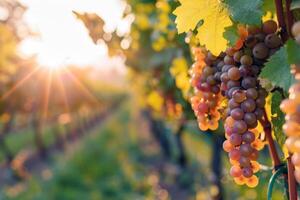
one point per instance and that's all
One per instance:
(231, 34)
(277, 70)
(295, 4)
(245, 12)
(269, 5)
(277, 118)
(293, 52)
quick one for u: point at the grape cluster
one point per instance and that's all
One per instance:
(246, 103)
(205, 79)
(291, 107)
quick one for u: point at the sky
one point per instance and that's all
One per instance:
(63, 39)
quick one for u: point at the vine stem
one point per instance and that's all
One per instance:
(289, 16)
(291, 179)
(280, 18)
(268, 131)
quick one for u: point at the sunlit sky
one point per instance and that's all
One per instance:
(62, 38)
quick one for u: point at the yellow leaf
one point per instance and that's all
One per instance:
(215, 18)
(155, 101)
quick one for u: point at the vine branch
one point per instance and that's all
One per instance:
(280, 18)
(291, 179)
(268, 131)
(289, 16)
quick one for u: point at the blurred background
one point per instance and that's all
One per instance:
(94, 105)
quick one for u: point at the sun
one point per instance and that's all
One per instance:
(53, 67)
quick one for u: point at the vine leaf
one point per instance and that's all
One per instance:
(245, 13)
(268, 6)
(231, 34)
(277, 118)
(215, 18)
(277, 70)
(295, 4)
(293, 52)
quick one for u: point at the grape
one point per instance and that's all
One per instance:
(288, 106)
(226, 68)
(224, 77)
(220, 66)
(215, 89)
(248, 105)
(239, 127)
(203, 108)
(234, 73)
(227, 146)
(245, 70)
(231, 84)
(251, 93)
(237, 56)
(247, 172)
(262, 92)
(252, 181)
(255, 166)
(259, 113)
(260, 51)
(217, 76)
(246, 149)
(250, 41)
(244, 161)
(296, 29)
(272, 41)
(207, 71)
(246, 60)
(232, 104)
(294, 118)
(260, 102)
(269, 27)
(297, 39)
(235, 171)
(231, 91)
(291, 128)
(228, 60)
(248, 82)
(239, 96)
(294, 88)
(211, 80)
(255, 70)
(237, 114)
(296, 159)
(250, 118)
(235, 139)
(260, 37)
(297, 175)
(248, 137)
(252, 30)
(253, 125)
(234, 154)
(230, 51)
(210, 56)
